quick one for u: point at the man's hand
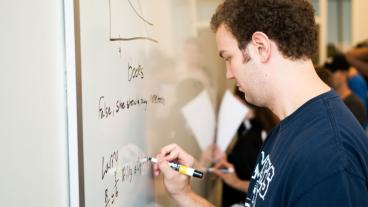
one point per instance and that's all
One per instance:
(175, 183)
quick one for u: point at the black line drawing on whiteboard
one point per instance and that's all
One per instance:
(132, 38)
(135, 27)
(137, 13)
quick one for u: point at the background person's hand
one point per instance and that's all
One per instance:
(212, 154)
(230, 178)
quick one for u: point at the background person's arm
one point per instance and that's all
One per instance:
(358, 58)
(230, 178)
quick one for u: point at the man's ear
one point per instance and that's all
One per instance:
(262, 45)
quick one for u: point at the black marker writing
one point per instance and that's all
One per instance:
(125, 174)
(136, 101)
(120, 105)
(107, 198)
(135, 72)
(106, 111)
(133, 169)
(157, 99)
(130, 38)
(111, 163)
(103, 110)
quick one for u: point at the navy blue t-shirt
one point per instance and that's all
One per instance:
(317, 156)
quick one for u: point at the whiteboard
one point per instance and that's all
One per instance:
(139, 65)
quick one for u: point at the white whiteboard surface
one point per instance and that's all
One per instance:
(33, 149)
(128, 116)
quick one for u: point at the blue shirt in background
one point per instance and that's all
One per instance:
(358, 85)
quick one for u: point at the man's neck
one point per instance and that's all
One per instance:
(298, 84)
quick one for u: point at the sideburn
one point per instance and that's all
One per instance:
(246, 57)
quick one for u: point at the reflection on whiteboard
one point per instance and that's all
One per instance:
(123, 173)
(136, 27)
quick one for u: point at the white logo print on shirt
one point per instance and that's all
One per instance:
(263, 178)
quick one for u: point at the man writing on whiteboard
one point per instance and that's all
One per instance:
(318, 154)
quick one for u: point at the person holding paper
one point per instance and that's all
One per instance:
(243, 154)
(318, 154)
(339, 68)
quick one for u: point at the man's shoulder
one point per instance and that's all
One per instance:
(329, 136)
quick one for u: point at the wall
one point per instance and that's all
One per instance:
(33, 150)
(359, 25)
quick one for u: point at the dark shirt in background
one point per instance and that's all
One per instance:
(243, 156)
(356, 106)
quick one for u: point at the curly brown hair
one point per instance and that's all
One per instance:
(289, 23)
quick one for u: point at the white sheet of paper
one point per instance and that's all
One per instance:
(237, 205)
(200, 117)
(232, 113)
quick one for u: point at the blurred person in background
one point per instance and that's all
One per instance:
(358, 58)
(339, 67)
(243, 153)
